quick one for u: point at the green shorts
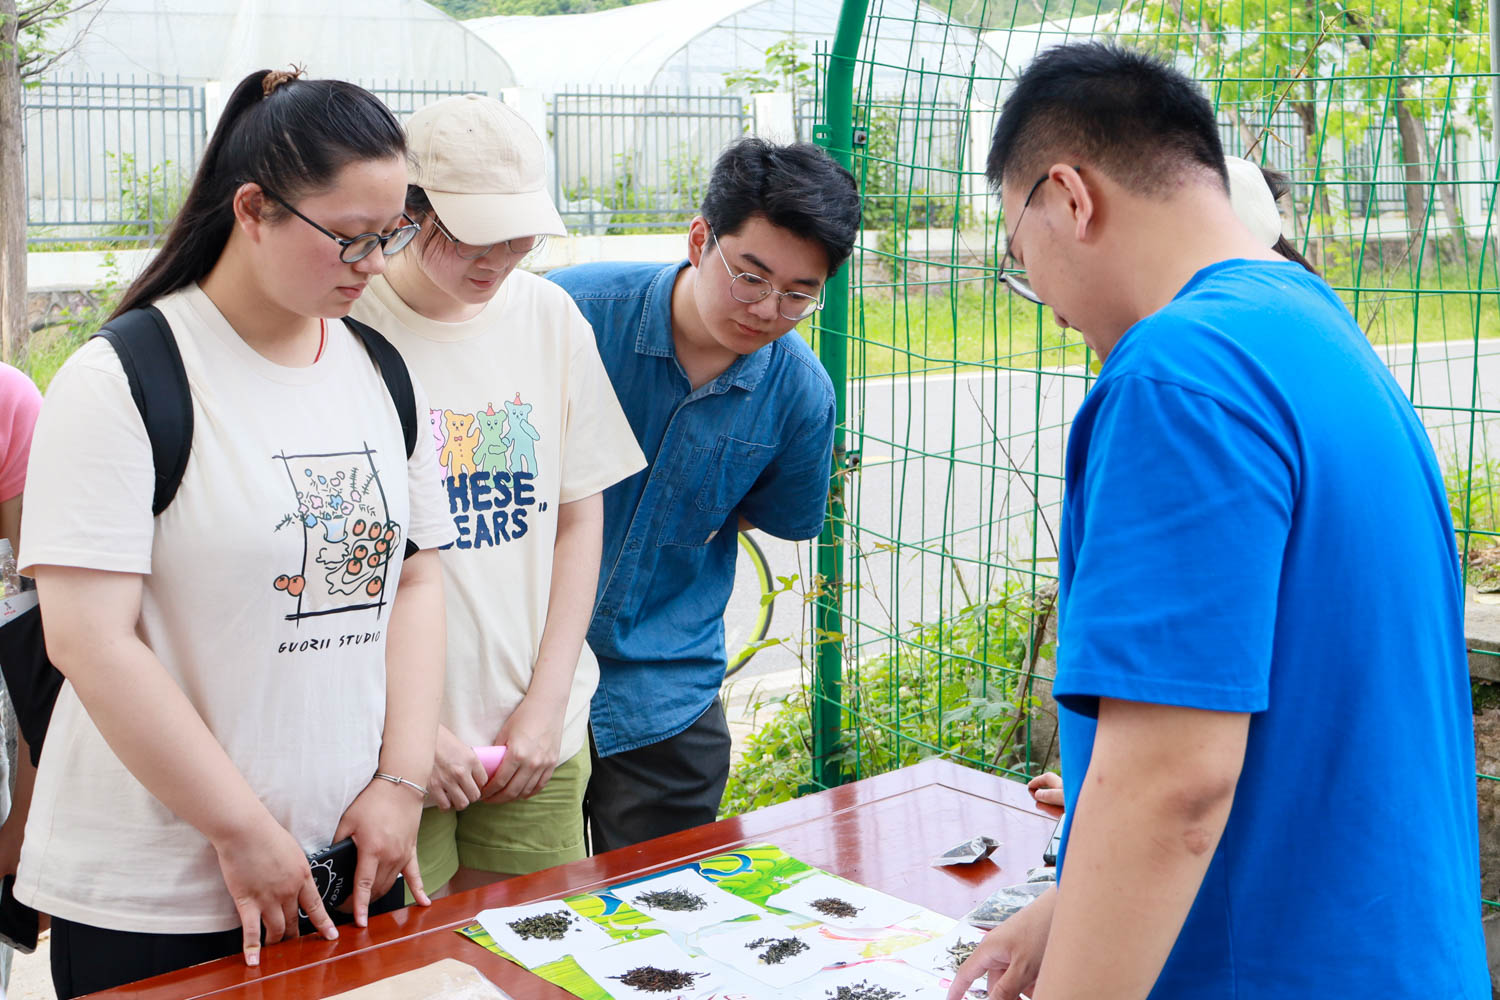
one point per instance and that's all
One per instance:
(514, 838)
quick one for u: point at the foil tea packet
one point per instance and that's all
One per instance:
(970, 851)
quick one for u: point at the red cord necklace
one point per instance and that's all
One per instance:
(322, 338)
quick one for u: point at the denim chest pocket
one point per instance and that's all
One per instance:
(715, 480)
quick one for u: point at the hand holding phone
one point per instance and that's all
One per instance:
(333, 873)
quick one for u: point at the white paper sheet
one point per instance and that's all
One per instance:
(718, 907)
(898, 977)
(582, 935)
(733, 944)
(606, 967)
(934, 957)
(876, 909)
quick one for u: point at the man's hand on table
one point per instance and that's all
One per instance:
(1011, 954)
(1047, 789)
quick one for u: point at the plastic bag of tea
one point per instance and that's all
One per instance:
(1003, 903)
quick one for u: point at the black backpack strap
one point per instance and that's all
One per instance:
(397, 379)
(158, 384)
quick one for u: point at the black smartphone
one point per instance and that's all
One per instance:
(333, 872)
(1049, 856)
(19, 923)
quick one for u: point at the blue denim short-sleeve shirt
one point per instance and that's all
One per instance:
(755, 442)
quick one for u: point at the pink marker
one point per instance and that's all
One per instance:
(490, 757)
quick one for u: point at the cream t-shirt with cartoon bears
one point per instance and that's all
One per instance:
(524, 418)
(267, 597)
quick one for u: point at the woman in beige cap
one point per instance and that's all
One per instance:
(528, 434)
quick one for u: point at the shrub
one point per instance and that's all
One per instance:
(952, 688)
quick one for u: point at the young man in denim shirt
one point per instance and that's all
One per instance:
(736, 421)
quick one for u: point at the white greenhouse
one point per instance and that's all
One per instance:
(193, 41)
(640, 102)
(690, 45)
(119, 123)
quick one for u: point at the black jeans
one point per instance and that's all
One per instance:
(87, 959)
(659, 788)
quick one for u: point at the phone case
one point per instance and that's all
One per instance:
(333, 872)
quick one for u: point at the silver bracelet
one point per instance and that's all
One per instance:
(396, 780)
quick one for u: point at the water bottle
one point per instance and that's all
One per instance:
(10, 580)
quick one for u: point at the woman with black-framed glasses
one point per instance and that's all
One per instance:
(255, 670)
(353, 249)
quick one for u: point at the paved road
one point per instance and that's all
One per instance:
(951, 462)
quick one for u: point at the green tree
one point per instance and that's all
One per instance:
(1340, 71)
(787, 69)
(25, 54)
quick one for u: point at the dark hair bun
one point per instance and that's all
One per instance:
(276, 77)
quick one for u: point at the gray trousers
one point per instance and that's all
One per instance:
(660, 788)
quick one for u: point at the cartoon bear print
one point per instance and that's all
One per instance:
(463, 438)
(493, 448)
(522, 437)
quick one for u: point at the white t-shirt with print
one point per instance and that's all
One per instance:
(267, 596)
(523, 419)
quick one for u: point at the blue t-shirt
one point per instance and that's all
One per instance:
(1254, 521)
(757, 442)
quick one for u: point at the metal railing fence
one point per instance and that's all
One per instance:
(636, 161)
(108, 161)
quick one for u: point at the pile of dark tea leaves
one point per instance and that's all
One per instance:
(863, 990)
(546, 926)
(959, 952)
(832, 906)
(677, 900)
(650, 979)
(778, 950)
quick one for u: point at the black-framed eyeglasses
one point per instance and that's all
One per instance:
(751, 288)
(518, 245)
(356, 248)
(1012, 273)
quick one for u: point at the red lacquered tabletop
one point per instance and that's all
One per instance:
(881, 832)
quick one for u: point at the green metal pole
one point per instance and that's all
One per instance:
(836, 134)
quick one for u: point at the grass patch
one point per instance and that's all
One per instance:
(46, 349)
(1474, 502)
(954, 688)
(967, 319)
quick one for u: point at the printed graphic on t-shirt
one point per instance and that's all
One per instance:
(348, 535)
(489, 466)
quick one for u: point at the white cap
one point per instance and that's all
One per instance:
(483, 168)
(1252, 200)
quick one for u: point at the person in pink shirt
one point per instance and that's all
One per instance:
(20, 402)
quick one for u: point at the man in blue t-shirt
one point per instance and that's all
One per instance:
(1262, 685)
(735, 416)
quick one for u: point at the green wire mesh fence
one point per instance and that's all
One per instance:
(932, 605)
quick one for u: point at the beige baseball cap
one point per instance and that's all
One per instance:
(1252, 200)
(483, 168)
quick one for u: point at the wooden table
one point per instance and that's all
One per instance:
(881, 832)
